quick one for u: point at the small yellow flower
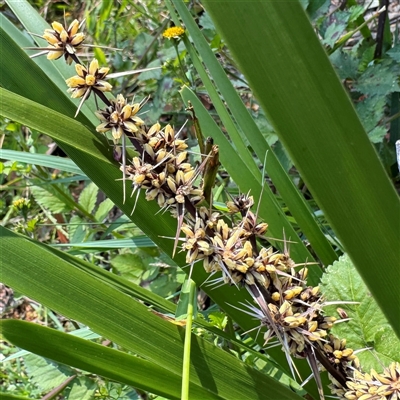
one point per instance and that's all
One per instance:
(23, 206)
(21, 203)
(174, 33)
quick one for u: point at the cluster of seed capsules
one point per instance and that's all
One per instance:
(289, 309)
(162, 168)
(292, 311)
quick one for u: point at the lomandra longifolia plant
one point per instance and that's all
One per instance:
(226, 244)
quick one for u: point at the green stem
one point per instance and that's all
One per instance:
(350, 34)
(188, 338)
(364, 29)
(184, 78)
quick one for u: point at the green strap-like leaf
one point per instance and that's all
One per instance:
(250, 132)
(289, 72)
(97, 359)
(277, 221)
(63, 164)
(59, 285)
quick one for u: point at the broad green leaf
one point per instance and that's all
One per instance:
(88, 197)
(61, 286)
(63, 164)
(273, 43)
(104, 208)
(82, 389)
(368, 327)
(57, 200)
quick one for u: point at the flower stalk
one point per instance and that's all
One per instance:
(191, 290)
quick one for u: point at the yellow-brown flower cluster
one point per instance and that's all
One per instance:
(163, 167)
(87, 80)
(64, 41)
(120, 117)
(375, 386)
(291, 310)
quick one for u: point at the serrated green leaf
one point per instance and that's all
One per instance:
(130, 266)
(88, 197)
(82, 389)
(379, 79)
(44, 373)
(76, 230)
(394, 52)
(355, 12)
(377, 134)
(368, 327)
(334, 32)
(52, 199)
(104, 208)
(371, 111)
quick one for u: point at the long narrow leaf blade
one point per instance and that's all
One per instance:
(63, 164)
(291, 195)
(97, 359)
(58, 284)
(279, 53)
